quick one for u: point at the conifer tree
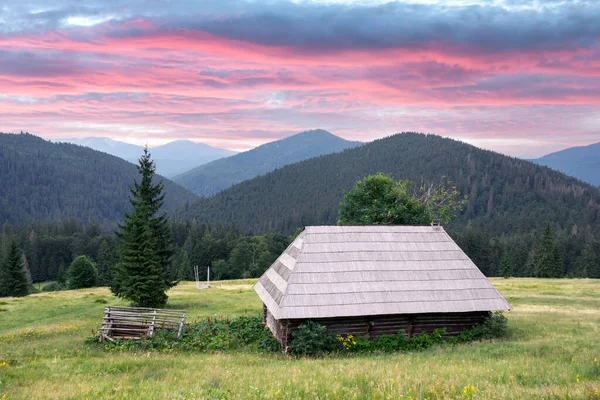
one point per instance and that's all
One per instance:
(185, 269)
(104, 264)
(13, 277)
(548, 262)
(143, 274)
(506, 268)
(152, 195)
(587, 265)
(139, 276)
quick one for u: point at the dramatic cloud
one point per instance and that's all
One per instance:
(519, 77)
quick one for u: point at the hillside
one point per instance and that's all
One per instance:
(171, 159)
(218, 175)
(507, 195)
(42, 180)
(581, 162)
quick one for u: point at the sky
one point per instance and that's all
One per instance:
(519, 77)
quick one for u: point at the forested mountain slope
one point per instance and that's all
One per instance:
(41, 180)
(218, 175)
(506, 195)
(581, 162)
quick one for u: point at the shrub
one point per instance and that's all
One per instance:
(52, 287)
(494, 326)
(390, 343)
(424, 341)
(269, 343)
(81, 273)
(312, 339)
(211, 334)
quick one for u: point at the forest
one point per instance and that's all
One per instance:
(49, 248)
(519, 219)
(45, 181)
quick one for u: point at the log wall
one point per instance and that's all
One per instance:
(376, 325)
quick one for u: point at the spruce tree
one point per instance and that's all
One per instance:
(587, 265)
(185, 269)
(153, 197)
(506, 268)
(104, 264)
(548, 262)
(13, 277)
(139, 276)
(144, 272)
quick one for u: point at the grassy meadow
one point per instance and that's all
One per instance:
(552, 352)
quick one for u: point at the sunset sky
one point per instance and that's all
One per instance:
(519, 77)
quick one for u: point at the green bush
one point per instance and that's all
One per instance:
(81, 273)
(424, 341)
(211, 334)
(390, 343)
(52, 287)
(312, 339)
(308, 339)
(494, 326)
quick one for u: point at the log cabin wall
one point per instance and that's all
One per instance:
(377, 325)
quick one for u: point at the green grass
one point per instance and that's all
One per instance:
(554, 337)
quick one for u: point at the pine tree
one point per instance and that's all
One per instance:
(104, 264)
(81, 273)
(506, 268)
(139, 277)
(143, 274)
(548, 262)
(13, 277)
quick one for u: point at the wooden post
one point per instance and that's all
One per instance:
(208, 277)
(181, 326)
(153, 324)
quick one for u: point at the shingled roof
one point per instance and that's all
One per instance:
(339, 271)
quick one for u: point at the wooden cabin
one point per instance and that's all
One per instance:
(374, 280)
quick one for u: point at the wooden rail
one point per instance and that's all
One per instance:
(135, 323)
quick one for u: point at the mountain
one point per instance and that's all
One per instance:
(126, 151)
(581, 162)
(506, 195)
(41, 180)
(215, 176)
(180, 156)
(171, 159)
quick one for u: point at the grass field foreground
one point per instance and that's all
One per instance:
(552, 352)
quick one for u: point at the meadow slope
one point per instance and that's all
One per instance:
(552, 352)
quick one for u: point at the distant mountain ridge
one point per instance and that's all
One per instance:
(171, 159)
(582, 162)
(42, 180)
(218, 175)
(506, 195)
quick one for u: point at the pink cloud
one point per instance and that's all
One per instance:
(105, 80)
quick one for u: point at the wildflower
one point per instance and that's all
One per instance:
(468, 391)
(597, 393)
(577, 378)
(572, 359)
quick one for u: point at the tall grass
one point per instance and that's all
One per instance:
(552, 352)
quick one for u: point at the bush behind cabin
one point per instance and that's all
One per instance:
(309, 339)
